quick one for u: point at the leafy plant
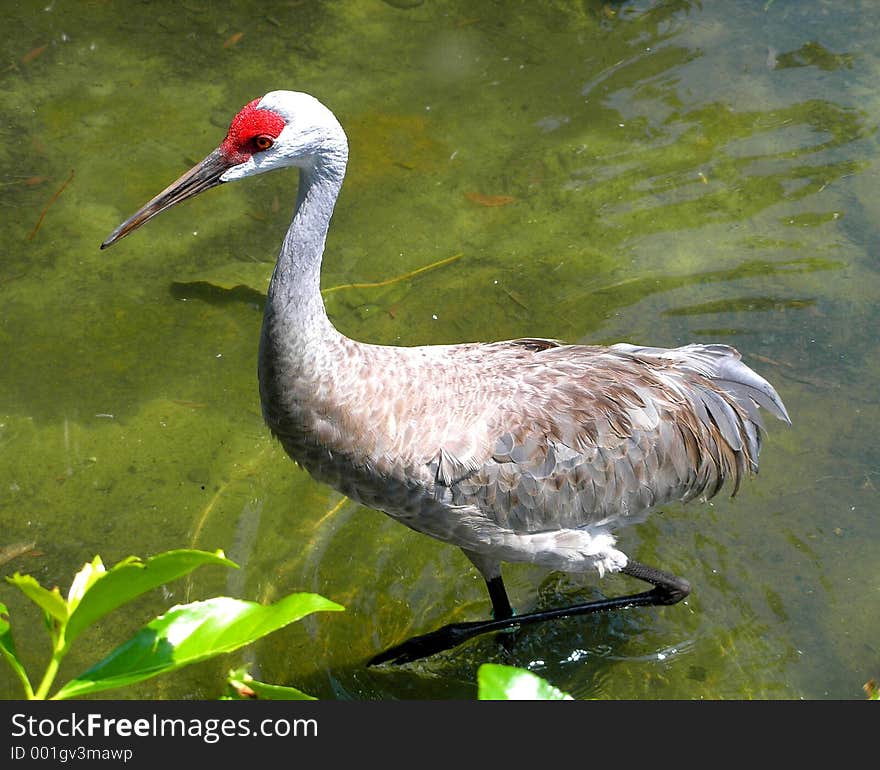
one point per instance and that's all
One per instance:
(242, 686)
(185, 634)
(494, 682)
(497, 682)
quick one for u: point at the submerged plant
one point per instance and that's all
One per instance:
(242, 686)
(185, 634)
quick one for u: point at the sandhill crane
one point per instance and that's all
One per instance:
(527, 450)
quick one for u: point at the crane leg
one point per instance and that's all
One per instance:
(668, 589)
(501, 609)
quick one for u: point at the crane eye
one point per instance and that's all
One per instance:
(263, 142)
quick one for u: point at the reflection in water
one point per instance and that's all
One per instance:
(811, 54)
(635, 290)
(743, 304)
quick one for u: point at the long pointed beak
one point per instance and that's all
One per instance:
(203, 176)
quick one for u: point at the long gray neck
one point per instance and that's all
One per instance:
(294, 297)
(297, 334)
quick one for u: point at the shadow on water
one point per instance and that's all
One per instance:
(205, 291)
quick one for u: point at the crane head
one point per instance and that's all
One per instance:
(283, 128)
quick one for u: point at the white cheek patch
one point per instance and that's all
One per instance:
(240, 171)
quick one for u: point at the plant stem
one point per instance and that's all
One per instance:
(51, 671)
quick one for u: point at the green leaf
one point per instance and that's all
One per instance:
(245, 687)
(191, 633)
(131, 578)
(7, 647)
(51, 601)
(497, 682)
(83, 581)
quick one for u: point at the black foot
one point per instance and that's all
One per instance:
(668, 589)
(422, 646)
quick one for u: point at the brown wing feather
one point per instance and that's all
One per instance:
(594, 437)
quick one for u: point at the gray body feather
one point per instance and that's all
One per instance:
(525, 450)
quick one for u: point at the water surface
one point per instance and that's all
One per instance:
(655, 172)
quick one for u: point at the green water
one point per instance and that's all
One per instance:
(663, 172)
